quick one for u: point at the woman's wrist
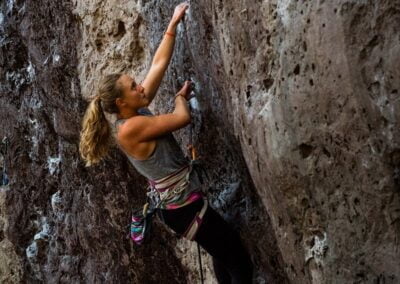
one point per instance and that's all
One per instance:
(171, 31)
(169, 34)
(172, 26)
(173, 23)
(179, 94)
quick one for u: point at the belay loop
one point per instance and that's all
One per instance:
(4, 150)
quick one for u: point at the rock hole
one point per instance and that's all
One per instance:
(360, 274)
(120, 29)
(296, 70)
(313, 67)
(323, 25)
(304, 46)
(248, 91)
(305, 150)
(326, 152)
(304, 202)
(311, 82)
(385, 121)
(394, 92)
(98, 44)
(268, 83)
(249, 141)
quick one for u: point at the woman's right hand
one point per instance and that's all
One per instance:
(179, 12)
(185, 90)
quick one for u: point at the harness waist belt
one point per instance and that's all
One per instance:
(168, 188)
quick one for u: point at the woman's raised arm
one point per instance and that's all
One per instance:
(163, 54)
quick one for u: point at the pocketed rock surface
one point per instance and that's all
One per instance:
(298, 131)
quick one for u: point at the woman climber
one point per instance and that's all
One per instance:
(148, 143)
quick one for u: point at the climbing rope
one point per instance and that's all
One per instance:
(193, 155)
(201, 268)
(4, 176)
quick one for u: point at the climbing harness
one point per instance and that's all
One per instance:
(4, 149)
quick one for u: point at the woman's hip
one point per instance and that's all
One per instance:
(179, 219)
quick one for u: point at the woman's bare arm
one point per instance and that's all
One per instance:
(163, 55)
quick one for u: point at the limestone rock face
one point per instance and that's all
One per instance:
(298, 131)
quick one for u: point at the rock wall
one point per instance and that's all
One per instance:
(298, 130)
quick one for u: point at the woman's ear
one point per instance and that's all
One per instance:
(119, 102)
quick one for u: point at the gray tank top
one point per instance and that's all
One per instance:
(166, 158)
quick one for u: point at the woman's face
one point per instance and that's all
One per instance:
(133, 95)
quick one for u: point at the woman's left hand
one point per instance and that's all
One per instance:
(179, 12)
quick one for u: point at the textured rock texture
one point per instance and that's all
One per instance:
(299, 132)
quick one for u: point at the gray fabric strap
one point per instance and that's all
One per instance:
(198, 219)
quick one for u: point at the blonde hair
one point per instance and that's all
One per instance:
(95, 136)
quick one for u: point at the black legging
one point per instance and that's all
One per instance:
(231, 262)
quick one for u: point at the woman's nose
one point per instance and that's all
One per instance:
(139, 88)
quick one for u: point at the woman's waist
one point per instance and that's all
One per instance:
(185, 200)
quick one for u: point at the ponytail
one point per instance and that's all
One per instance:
(95, 136)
